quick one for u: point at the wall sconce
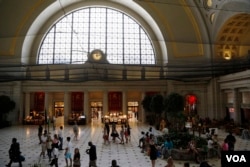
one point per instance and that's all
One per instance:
(227, 55)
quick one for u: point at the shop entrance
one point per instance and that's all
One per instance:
(133, 108)
(59, 112)
(96, 110)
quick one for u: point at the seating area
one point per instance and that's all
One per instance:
(127, 155)
(37, 120)
(245, 134)
(182, 154)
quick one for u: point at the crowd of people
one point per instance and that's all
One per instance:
(122, 135)
(52, 145)
(148, 143)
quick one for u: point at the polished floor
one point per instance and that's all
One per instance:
(127, 155)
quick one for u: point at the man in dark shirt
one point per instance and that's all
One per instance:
(14, 153)
(92, 154)
(231, 141)
(114, 163)
(40, 133)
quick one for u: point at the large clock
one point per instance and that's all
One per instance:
(97, 56)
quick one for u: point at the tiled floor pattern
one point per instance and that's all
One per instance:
(127, 155)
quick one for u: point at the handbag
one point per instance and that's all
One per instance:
(77, 162)
(22, 158)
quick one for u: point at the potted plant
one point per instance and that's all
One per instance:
(6, 106)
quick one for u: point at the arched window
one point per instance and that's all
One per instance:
(117, 35)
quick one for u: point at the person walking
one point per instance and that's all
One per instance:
(122, 134)
(114, 163)
(114, 134)
(231, 141)
(56, 140)
(170, 162)
(43, 144)
(192, 149)
(186, 164)
(127, 132)
(224, 145)
(60, 137)
(54, 155)
(76, 131)
(105, 135)
(152, 153)
(92, 154)
(49, 143)
(77, 158)
(108, 129)
(54, 122)
(141, 139)
(167, 148)
(14, 153)
(40, 133)
(68, 152)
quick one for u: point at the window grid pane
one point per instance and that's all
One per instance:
(120, 37)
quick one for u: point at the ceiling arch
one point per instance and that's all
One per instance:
(231, 35)
(59, 8)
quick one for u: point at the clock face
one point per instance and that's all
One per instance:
(97, 55)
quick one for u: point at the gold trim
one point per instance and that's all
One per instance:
(12, 48)
(195, 26)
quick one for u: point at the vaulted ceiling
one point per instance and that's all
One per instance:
(208, 33)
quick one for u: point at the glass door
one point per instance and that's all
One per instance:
(133, 108)
(96, 110)
(59, 108)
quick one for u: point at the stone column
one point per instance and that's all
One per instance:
(46, 104)
(86, 107)
(223, 102)
(67, 109)
(236, 105)
(105, 102)
(141, 113)
(46, 109)
(16, 116)
(124, 103)
(27, 104)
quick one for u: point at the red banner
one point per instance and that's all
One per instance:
(77, 101)
(39, 101)
(115, 101)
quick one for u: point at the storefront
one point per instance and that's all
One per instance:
(106, 104)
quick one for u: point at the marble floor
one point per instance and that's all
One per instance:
(127, 155)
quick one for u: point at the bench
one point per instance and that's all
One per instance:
(184, 154)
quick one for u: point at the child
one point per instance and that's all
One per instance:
(49, 146)
(76, 159)
(54, 155)
(43, 144)
(105, 135)
(141, 139)
(122, 135)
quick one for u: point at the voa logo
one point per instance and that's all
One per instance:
(236, 158)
